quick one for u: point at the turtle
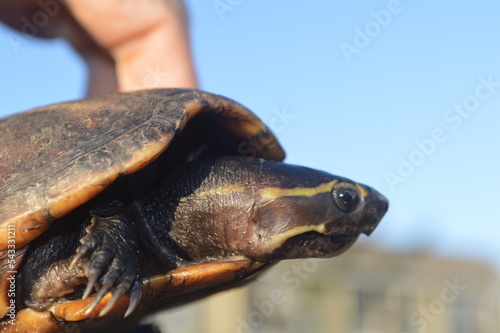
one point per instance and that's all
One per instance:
(116, 206)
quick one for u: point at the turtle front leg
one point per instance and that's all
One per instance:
(109, 256)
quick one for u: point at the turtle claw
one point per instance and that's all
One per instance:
(109, 256)
(92, 306)
(135, 296)
(88, 245)
(91, 281)
(117, 293)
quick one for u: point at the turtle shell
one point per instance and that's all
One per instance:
(55, 158)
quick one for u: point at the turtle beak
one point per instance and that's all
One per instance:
(376, 205)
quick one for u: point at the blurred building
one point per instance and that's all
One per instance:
(364, 290)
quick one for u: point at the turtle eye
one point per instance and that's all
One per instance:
(346, 197)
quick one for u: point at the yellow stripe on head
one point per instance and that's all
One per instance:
(221, 190)
(278, 240)
(276, 192)
(362, 190)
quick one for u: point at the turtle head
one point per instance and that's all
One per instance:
(312, 214)
(267, 211)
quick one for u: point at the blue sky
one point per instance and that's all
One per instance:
(419, 86)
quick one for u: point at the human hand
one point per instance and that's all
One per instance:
(127, 44)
